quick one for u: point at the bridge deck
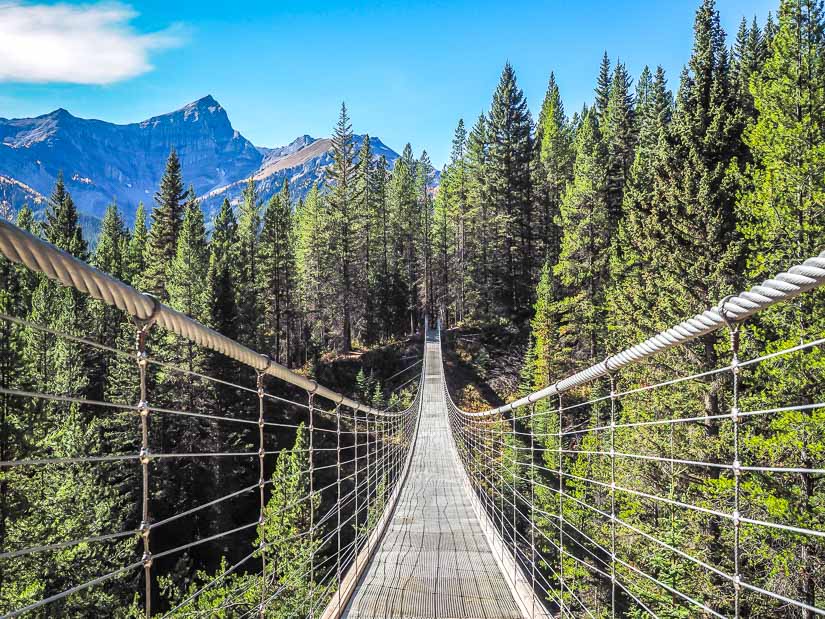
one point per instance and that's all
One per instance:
(434, 560)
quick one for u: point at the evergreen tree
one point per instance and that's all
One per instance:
(424, 176)
(133, 262)
(587, 230)
(342, 202)
(313, 258)
(553, 170)
(603, 89)
(460, 210)
(110, 257)
(227, 400)
(247, 271)
(620, 140)
(62, 228)
(406, 220)
(380, 280)
(365, 238)
(277, 273)
(509, 191)
(163, 235)
(187, 286)
(481, 215)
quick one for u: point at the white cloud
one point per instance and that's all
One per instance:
(79, 44)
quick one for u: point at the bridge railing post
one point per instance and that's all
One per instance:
(368, 488)
(143, 327)
(560, 436)
(532, 512)
(736, 419)
(514, 448)
(356, 540)
(311, 404)
(338, 574)
(261, 485)
(613, 398)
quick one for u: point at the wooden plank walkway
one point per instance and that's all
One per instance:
(434, 559)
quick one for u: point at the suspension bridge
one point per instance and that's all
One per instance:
(433, 511)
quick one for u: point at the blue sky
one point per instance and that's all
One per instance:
(408, 71)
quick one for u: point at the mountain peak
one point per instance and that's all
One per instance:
(59, 113)
(205, 102)
(204, 105)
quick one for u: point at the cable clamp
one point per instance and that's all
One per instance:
(145, 323)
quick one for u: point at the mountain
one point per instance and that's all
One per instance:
(102, 162)
(303, 162)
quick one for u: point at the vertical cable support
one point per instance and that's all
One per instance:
(261, 485)
(311, 404)
(561, 505)
(368, 488)
(515, 467)
(338, 499)
(143, 410)
(357, 505)
(613, 398)
(532, 512)
(736, 419)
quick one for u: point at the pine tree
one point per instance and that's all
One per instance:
(284, 530)
(365, 239)
(163, 235)
(424, 176)
(460, 210)
(133, 262)
(478, 160)
(110, 257)
(509, 191)
(277, 273)
(342, 202)
(543, 336)
(633, 245)
(587, 230)
(61, 227)
(187, 287)
(223, 317)
(314, 262)
(620, 140)
(247, 271)
(380, 279)
(553, 170)
(603, 89)
(406, 220)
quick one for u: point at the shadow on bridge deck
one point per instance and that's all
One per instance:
(434, 559)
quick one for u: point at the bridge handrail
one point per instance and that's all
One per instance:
(38, 255)
(800, 278)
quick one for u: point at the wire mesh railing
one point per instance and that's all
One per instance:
(635, 488)
(283, 477)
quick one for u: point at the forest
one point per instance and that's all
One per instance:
(585, 232)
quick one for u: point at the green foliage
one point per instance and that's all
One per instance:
(162, 241)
